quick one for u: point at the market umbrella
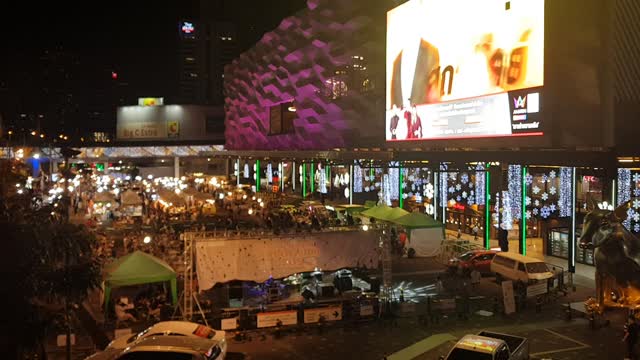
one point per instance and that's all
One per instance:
(384, 213)
(103, 197)
(130, 198)
(351, 209)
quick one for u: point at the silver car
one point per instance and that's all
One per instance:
(165, 348)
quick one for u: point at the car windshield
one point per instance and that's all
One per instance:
(464, 354)
(466, 256)
(537, 267)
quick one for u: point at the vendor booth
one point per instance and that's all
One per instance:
(425, 233)
(138, 268)
(131, 203)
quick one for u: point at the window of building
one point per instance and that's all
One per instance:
(281, 118)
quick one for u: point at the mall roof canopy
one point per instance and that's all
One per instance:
(416, 220)
(138, 268)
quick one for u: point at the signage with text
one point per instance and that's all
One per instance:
(464, 74)
(333, 313)
(272, 319)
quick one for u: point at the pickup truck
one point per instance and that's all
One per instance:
(490, 346)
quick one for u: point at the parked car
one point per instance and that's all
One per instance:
(173, 328)
(479, 260)
(165, 348)
(490, 346)
(516, 267)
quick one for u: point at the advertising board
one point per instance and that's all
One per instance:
(332, 313)
(270, 319)
(464, 69)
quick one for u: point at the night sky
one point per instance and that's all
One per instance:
(137, 39)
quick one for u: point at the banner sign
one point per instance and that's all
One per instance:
(220, 260)
(333, 313)
(507, 297)
(229, 323)
(271, 319)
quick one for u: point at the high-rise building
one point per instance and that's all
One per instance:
(205, 47)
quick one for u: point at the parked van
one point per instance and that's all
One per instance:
(516, 267)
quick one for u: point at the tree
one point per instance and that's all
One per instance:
(48, 266)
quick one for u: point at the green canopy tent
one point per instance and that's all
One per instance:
(138, 268)
(425, 233)
(384, 213)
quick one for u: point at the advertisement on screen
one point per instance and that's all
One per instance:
(464, 69)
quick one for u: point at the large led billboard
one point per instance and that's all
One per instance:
(464, 69)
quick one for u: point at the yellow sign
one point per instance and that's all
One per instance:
(150, 101)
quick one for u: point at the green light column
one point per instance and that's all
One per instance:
(487, 208)
(400, 180)
(304, 180)
(327, 176)
(257, 175)
(312, 178)
(523, 212)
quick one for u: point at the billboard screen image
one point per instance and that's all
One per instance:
(464, 69)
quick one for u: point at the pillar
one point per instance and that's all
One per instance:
(176, 167)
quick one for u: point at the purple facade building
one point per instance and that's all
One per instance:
(316, 82)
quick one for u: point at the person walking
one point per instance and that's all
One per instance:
(631, 337)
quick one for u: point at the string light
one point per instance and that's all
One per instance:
(246, 170)
(515, 190)
(564, 199)
(386, 190)
(624, 191)
(357, 179)
(322, 181)
(480, 184)
(269, 173)
(394, 180)
(444, 186)
(507, 213)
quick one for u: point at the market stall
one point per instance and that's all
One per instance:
(425, 233)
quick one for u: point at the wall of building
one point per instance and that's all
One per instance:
(328, 60)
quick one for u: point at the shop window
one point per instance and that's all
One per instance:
(281, 118)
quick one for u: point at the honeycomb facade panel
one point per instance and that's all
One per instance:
(308, 58)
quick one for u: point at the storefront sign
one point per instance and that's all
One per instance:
(507, 297)
(537, 289)
(229, 323)
(333, 313)
(271, 319)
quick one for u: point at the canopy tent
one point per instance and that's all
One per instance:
(416, 220)
(103, 196)
(171, 197)
(384, 213)
(130, 198)
(350, 209)
(425, 233)
(138, 268)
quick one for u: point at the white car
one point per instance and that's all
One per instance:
(165, 348)
(173, 328)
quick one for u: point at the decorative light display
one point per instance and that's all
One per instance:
(564, 201)
(357, 179)
(507, 212)
(394, 180)
(386, 190)
(480, 184)
(246, 170)
(269, 173)
(444, 185)
(322, 188)
(514, 178)
(626, 185)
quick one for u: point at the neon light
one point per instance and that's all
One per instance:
(304, 180)
(187, 27)
(523, 213)
(487, 209)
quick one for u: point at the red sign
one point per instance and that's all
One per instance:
(590, 179)
(457, 206)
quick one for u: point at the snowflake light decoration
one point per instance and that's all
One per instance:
(458, 198)
(636, 203)
(535, 190)
(528, 214)
(464, 194)
(527, 201)
(552, 174)
(453, 176)
(636, 192)
(451, 189)
(537, 202)
(552, 208)
(636, 177)
(631, 213)
(529, 179)
(545, 212)
(544, 196)
(458, 187)
(553, 190)
(535, 211)
(429, 191)
(636, 227)
(636, 217)
(544, 178)
(464, 178)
